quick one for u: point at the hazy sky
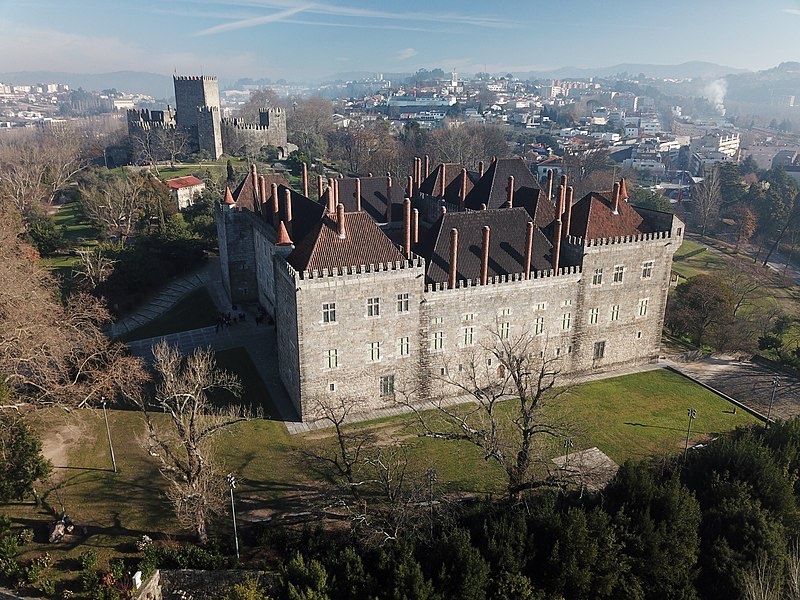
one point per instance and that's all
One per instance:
(307, 40)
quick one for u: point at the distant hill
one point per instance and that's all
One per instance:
(766, 87)
(152, 84)
(684, 70)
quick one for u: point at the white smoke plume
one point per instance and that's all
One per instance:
(715, 93)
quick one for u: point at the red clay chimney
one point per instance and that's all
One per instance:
(331, 197)
(569, 211)
(528, 249)
(410, 191)
(623, 189)
(444, 181)
(340, 221)
(389, 199)
(305, 180)
(427, 166)
(319, 187)
(558, 231)
(287, 194)
(549, 185)
(510, 191)
(262, 192)
(462, 194)
(442, 210)
(485, 255)
(415, 226)
(336, 190)
(407, 227)
(480, 168)
(275, 206)
(451, 280)
(615, 198)
(358, 194)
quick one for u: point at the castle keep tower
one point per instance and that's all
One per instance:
(197, 105)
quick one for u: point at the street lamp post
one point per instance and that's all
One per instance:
(232, 484)
(692, 414)
(108, 433)
(776, 382)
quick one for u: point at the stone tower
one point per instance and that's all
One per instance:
(197, 105)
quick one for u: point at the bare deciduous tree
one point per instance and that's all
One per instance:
(183, 445)
(512, 433)
(115, 203)
(258, 100)
(706, 200)
(36, 166)
(467, 144)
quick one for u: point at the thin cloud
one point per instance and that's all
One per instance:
(406, 53)
(255, 21)
(344, 11)
(792, 11)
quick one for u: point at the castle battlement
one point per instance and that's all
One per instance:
(630, 239)
(208, 109)
(194, 77)
(503, 279)
(240, 124)
(415, 262)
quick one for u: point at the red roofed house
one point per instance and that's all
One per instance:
(185, 189)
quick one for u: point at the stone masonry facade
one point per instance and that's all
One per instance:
(372, 330)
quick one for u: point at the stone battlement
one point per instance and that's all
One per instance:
(194, 77)
(237, 123)
(627, 239)
(414, 262)
(503, 279)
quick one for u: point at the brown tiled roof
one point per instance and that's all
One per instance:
(306, 214)
(593, 218)
(373, 196)
(245, 194)
(432, 185)
(177, 183)
(364, 244)
(508, 231)
(491, 188)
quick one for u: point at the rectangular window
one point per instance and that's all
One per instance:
(402, 303)
(643, 307)
(540, 306)
(599, 350)
(374, 351)
(373, 307)
(538, 326)
(403, 346)
(332, 387)
(567, 302)
(597, 278)
(566, 320)
(619, 272)
(615, 312)
(387, 385)
(329, 312)
(469, 336)
(437, 341)
(436, 320)
(505, 312)
(332, 358)
(594, 316)
(469, 317)
(503, 330)
(647, 269)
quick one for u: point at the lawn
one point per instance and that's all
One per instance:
(633, 416)
(691, 259)
(78, 231)
(195, 310)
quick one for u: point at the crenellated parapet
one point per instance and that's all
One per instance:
(510, 278)
(357, 271)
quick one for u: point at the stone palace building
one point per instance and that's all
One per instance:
(382, 285)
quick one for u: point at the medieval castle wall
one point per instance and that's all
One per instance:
(209, 131)
(191, 93)
(241, 137)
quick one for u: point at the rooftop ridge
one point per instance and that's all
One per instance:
(194, 77)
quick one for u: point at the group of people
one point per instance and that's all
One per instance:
(236, 316)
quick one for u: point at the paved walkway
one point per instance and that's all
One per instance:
(167, 298)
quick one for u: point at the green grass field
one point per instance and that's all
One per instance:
(698, 262)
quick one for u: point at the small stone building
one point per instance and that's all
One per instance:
(382, 288)
(184, 190)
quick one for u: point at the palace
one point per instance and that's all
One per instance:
(379, 287)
